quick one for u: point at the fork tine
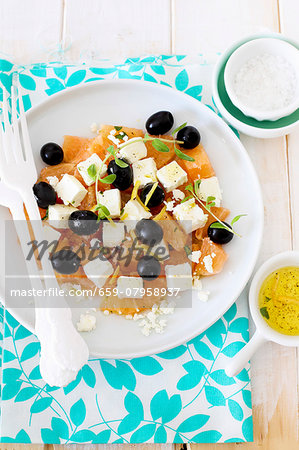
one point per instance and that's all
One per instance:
(17, 148)
(26, 139)
(7, 134)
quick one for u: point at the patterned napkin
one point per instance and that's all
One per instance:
(182, 395)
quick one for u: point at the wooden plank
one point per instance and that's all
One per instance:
(30, 30)
(202, 26)
(117, 29)
(289, 14)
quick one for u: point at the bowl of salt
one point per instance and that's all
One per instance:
(262, 78)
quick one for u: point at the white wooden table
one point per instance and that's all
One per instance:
(29, 29)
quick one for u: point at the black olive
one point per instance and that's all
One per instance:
(220, 235)
(124, 175)
(65, 261)
(149, 268)
(159, 123)
(83, 222)
(190, 136)
(157, 197)
(51, 154)
(149, 232)
(45, 194)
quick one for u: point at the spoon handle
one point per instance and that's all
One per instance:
(238, 362)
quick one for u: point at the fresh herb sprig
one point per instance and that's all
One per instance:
(160, 143)
(103, 212)
(210, 202)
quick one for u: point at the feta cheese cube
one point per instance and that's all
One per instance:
(129, 287)
(134, 150)
(145, 171)
(58, 215)
(53, 181)
(172, 176)
(84, 165)
(179, 276)
(112, 200)
(134, 211)
(98, 270)
(70, 190)
(113, 234)
(178, 195)
(87, 322)
(190, 215)
(209, 187)
(51, 234)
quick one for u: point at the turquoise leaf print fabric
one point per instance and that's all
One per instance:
(180, 395)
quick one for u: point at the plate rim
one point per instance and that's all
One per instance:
(227, 131)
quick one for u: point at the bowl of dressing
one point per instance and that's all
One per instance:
(274, 307)
(262, 78)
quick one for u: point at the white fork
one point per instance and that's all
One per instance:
(18, 171)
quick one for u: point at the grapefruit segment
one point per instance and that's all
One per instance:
(212, 258)
(201, 166)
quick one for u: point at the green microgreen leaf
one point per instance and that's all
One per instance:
(118, 128)
(108, 180)
(160, 146)
(187, 250)
(103, 212)
(121, 163)
(182, 155)
(176, 130)
(186, 198)
(111, 150)
(146, 137)
(210, 202)
(235, 219)
(264, 312)
(189, 188)
(219, 226)
(46, 215)
(196, 186)
(92, 171)
(121, 135)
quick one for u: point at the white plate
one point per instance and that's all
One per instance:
(130, 103)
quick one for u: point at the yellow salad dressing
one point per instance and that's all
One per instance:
(279, 300)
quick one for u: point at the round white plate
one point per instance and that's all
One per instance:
(130, 103)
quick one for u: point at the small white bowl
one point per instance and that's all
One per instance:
(252, 49)
(263, 331)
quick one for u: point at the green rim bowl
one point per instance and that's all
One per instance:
(235, 117)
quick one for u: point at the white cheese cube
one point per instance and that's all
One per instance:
(190, 215)
(172, 176)
(84, 165)
(70, 190)
(51, 234)
(98, 271)
(134, 211)
(53, 181)
(129, 287)
(112, 200)
(145, 171)
(179, 276)
(58, 215)
(209, 187)
(87, 322)
(113, 234)
(134, 150)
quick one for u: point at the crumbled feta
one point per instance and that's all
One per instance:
(58, 215)
(209, 187)
(202, 295)
(83, 167)
(145, 171)
(190, 215)
(87, 322)
(195, 256)
(134, 150)
(93, 127)
(112, 200)
(113, 234)
(172, 176)
(178, 195)
(70, 190)
(179, 276)
(98, 270)
(51, 234)
(151, 321)
(53, 181)
(208, 263)
(169, 205)
(134, 211)
(129, 287)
